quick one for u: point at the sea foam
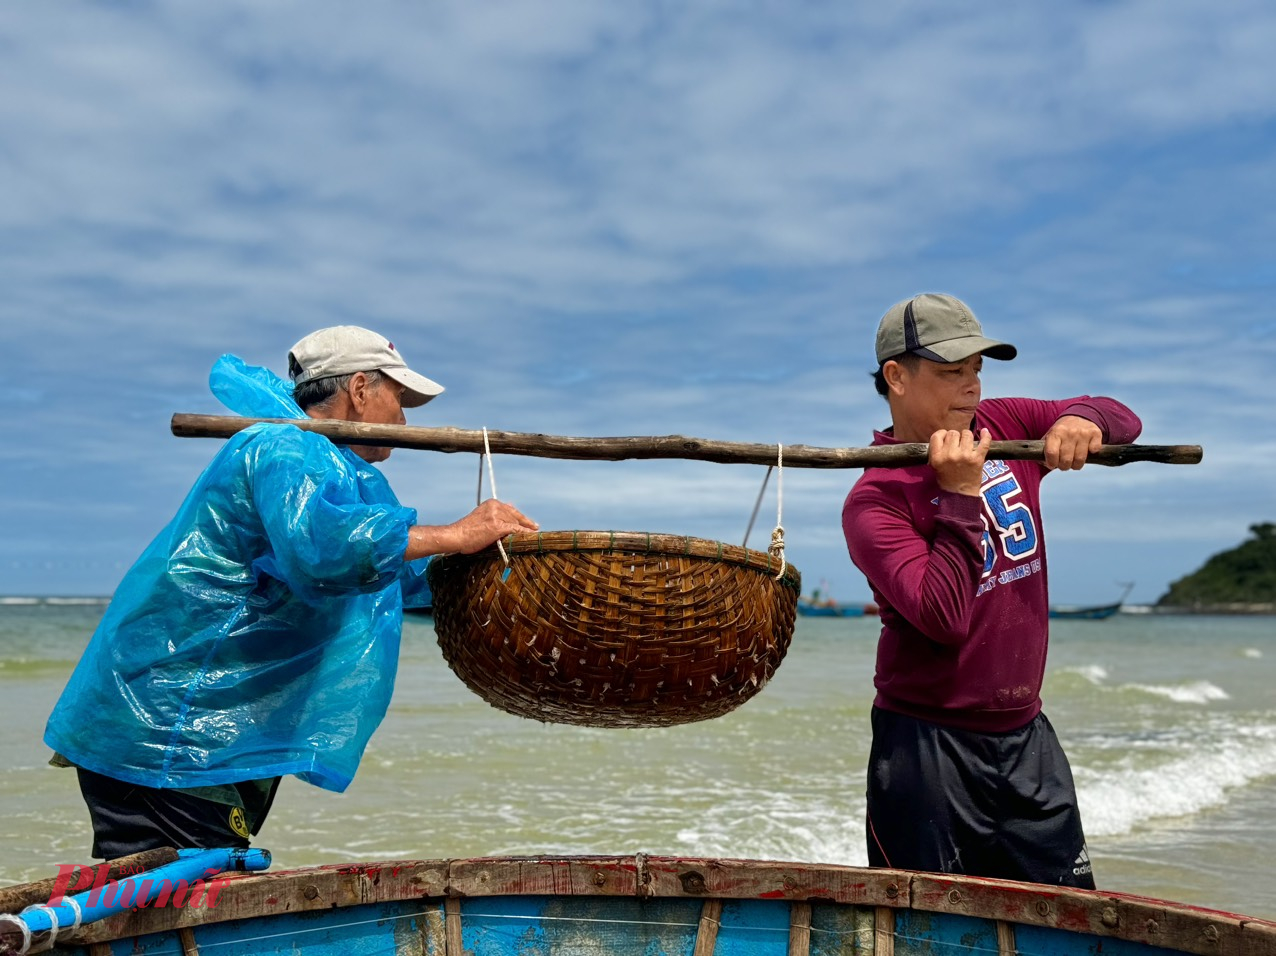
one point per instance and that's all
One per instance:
(1196, 692)
(1094, 673)
(1219, 759)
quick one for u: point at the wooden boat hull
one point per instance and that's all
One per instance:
(649, 905)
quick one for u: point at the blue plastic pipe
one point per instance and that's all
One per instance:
(190, 867)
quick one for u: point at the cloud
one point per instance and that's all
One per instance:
(633, 219)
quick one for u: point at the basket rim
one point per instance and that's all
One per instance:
(636, 542)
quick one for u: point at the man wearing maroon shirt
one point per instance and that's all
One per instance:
(965, 773)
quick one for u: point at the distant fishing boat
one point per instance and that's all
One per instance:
(1096, 612)
(819, 604)
(812, 607)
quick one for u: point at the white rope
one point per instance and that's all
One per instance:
(491, 480)
(72, 902)
(54, 922)
(779, 486)
(777, 536)
(491, 473)
(23, 928)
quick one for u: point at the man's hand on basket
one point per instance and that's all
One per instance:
(489, 522)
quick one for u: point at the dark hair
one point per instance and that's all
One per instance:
(320, 391)
(906, 359)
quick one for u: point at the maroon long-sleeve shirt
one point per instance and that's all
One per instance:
(961, 580)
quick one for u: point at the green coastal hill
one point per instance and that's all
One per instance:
(1244, 575)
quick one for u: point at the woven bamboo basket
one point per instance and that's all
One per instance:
(614, 629)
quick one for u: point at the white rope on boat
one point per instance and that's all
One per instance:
(54, 921)
(23, 928)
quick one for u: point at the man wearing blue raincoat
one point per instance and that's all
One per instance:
(258, 634)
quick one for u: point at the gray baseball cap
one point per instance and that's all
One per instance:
(937, 327)
(346, 349)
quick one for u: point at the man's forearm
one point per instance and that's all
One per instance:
(425, 540)
(489, 522)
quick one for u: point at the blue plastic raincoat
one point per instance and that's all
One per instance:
(258, 634)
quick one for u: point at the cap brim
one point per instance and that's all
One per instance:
(958, 350)
(417, 389)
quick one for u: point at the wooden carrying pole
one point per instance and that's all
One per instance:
(664, 446)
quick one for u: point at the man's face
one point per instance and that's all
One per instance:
(385, 403)
(935, 395)
(382, 405)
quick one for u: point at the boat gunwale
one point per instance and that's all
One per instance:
(1176, 926)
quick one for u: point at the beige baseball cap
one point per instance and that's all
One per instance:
(938, 327)
(346, 349)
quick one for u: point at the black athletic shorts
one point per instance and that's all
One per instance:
(129, 819)
(957, 801)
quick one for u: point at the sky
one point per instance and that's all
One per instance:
(639, 218)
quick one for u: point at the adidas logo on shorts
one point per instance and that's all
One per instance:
(1082, 863)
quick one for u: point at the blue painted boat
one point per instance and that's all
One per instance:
(808, 607)
(1097, 612)
(656, 905)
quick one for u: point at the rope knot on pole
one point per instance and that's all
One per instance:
(777, 535)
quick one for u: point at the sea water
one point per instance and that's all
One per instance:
(1169, 722)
